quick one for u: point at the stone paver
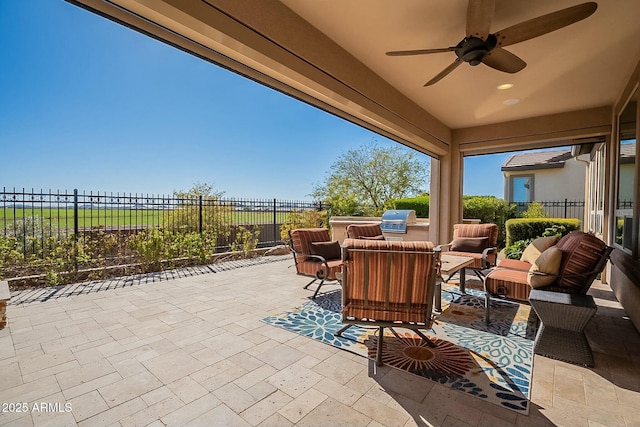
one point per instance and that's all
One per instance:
(187, 348)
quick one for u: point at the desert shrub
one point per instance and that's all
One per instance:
(155, 247)
(246, 240)
(341, 205)
(9, 253)
(187, 216)
(302, 219)
(61, 255)
(149, 245)
(535, 210)
(101, 246)
(200, 209)
(32, 233)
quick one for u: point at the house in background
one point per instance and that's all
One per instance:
(542, 176)
(554, 178)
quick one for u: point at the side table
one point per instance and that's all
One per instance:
(449, 265)
(563, 318)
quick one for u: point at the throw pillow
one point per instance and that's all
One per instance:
(327, 250)
(581, 254)
(535, 248)
(548, 263)
(470, 244)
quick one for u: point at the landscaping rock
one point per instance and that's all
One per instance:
(278, 250)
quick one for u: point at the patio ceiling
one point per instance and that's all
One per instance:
(331, 53)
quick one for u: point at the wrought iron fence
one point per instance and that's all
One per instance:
(34, 218)
(557, 208)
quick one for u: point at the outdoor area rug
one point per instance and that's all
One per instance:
(492, 362)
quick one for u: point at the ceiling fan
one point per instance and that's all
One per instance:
(482, 46)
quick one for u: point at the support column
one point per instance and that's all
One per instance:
(445, 195)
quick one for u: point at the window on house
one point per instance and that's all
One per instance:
(521, 188)
(626, 171)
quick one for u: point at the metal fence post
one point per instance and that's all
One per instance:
(200, 214)
(565, 207)
(75, 215)
(76, 229)
(275, 224)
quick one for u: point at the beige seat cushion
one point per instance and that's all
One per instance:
(535, 248)
(547, 263)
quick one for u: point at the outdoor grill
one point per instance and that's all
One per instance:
(396, 221)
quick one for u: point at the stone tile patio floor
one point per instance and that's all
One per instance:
(187, 348)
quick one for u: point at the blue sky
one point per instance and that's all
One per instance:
(86, 103)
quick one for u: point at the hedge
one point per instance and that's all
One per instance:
(420, 204)
(530, 228)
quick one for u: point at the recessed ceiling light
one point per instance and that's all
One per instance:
(511, 101)
(505, 86)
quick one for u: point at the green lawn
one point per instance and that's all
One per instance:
(63, 218)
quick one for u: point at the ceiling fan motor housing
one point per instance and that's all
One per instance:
(473, 49)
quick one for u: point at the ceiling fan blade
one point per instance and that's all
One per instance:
(479, 17)
(545, 24)
(444, 72)
(503, 60)
(419, 51)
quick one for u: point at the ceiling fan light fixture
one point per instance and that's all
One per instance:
(474, 57)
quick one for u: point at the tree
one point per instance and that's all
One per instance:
(366, 180)
(199, 209)
(199, 189)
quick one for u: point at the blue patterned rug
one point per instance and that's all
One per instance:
(492, 362)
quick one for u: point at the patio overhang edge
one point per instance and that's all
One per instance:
(545, 131)
(282, 55)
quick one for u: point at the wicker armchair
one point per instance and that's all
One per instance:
(388, 284)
